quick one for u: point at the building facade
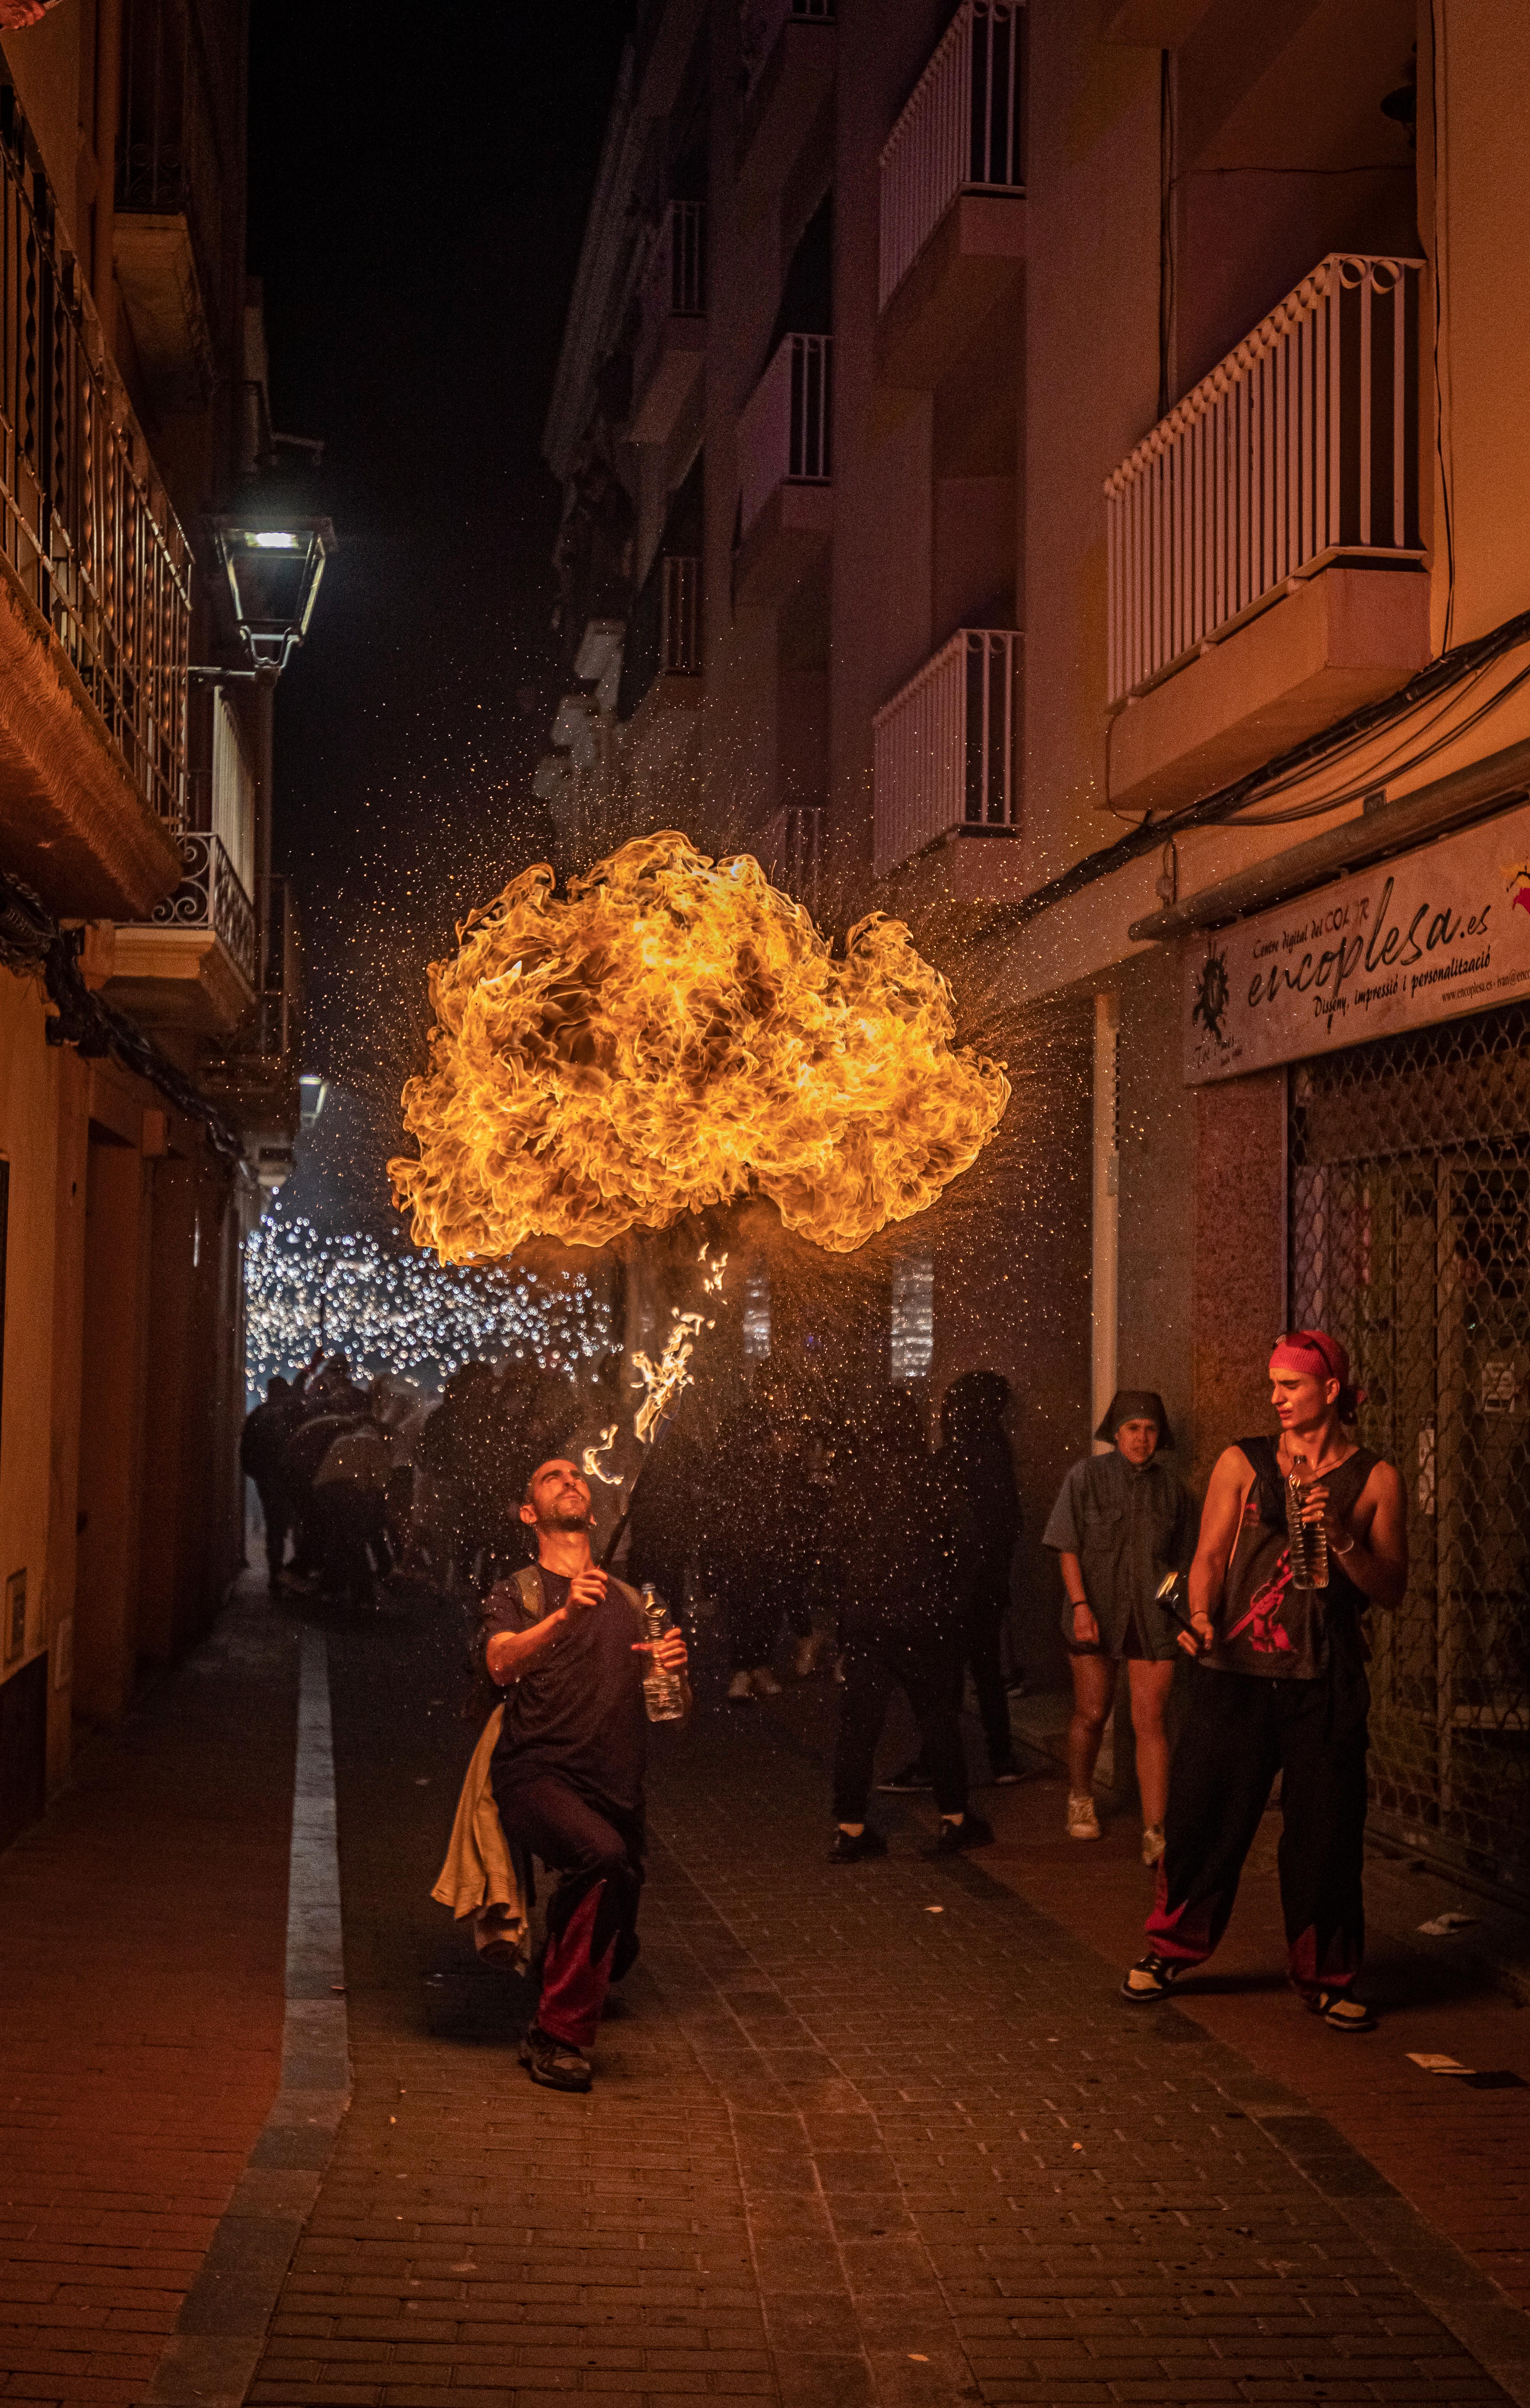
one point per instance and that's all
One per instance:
(148, 960)
(1055, 473)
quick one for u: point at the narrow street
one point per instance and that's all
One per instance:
(882, 2134)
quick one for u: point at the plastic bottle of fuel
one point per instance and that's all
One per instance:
(662, 1693)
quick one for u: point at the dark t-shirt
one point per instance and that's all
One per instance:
(1266, 1625)
(578, 1711)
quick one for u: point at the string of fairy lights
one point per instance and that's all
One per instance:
(402, 1311)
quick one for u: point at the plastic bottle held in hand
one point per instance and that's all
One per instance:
(1308, 1540)
(662, 1693)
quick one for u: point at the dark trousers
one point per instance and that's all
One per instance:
(982, 1632)
(1240, 1732)
(280, 1519)
(755, 1614)
(921, 1668)
(591, 1923)
(351, 1521)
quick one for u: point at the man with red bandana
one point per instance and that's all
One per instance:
(1280, 1686)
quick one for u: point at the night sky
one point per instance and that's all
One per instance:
(419, 184)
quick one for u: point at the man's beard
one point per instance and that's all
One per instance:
(567, 1517)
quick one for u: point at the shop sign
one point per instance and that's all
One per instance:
(1434, 934)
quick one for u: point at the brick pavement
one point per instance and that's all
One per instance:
(842, 2149)
(144, 1925)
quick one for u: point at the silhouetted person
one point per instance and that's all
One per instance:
(350, 1497)
(263, 1448)
(899, 1627)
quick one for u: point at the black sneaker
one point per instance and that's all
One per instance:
(913, 1776)
(970, 1833)
(555, 2063)
(849, 1847)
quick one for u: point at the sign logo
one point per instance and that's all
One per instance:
(1213, 992)
(1516, 878)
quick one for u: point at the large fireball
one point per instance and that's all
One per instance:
(677, 1035)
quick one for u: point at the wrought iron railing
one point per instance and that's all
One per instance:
(664, 634)
(85, 528)
(962, 131)
(167, 150)
(1301, 443)
(785, 430)
(210, 897)
(944, 750)
(760, 26)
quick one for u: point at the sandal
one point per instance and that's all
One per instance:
(1340, 2012)
(1151, 1978)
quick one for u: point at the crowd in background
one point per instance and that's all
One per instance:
(765, 1515)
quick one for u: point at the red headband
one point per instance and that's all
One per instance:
(1313, 1353)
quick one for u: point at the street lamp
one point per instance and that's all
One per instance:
(274, 560)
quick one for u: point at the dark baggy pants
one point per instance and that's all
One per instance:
(591, 1923)
(922, 1668)
(755, 1614)
(280, 1519)
(1241, 1731)
(982, 1632)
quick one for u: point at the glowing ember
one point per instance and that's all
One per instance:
(675, 1034)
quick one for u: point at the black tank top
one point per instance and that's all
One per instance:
(1267, 1624)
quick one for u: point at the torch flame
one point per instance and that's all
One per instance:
(594, 1458)
(673, 1036)
(664, 1381)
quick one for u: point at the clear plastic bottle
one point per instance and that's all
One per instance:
(1308, 1540)
(662, 1693)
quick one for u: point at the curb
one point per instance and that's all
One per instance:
(221, 2329)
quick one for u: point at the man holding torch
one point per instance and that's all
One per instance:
(1298, 1538)
(567, 1644)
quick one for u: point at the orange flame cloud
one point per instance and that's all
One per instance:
(675, 1035)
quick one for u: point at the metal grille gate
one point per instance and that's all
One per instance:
(1409, 1237)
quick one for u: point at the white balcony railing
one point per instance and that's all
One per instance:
(962, 132)
(675, 283)
(944, 750)
(784, 431)
(760, 26)
(1302, 443)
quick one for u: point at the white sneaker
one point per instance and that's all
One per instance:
(762, 1681)
(1083, 1821)
(1152, 1843)
(739, 1691)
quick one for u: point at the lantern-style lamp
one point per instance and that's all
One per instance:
(273, 560)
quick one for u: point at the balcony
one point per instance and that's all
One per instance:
(168, 238)
(786, 469)
(195, 963)
(952, 196)
(94, 594)
(788, 51)
(257, 1081)
(662, 663)
(1263, 543)
(945, 764)
(671, 345)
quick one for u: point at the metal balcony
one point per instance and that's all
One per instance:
(672, 340)
(962, 131)
(786, 468)
(945, 753)
(88, 538)
(169, 233)
(1301, 447)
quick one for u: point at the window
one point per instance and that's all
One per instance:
(912, 1346)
